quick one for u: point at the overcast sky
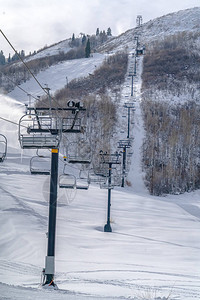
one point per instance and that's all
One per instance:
(32, 24)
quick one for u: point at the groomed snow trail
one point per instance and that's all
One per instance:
(136, 176)
(57, 76)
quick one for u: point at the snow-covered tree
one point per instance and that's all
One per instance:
(2, 58)
(87, 49)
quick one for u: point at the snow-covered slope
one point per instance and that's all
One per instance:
(152, 252)
(62, 46)
(159, 28)
(57, 76)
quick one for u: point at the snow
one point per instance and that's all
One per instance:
(152, 253)
(184, 22)
(57, 76)
(62, 46)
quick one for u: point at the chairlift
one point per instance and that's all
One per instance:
(140, 51)
(115, 180)
(82, 184)
(67, 181)
(39, 131)
(71, 125)
(3, 147)
(107, 158)
(79, 152)
(102, 170)
(95, 177)
(83, 174)
(124, 143)
(116, 177)
(40, 165)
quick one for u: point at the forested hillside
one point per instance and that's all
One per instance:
(171, 108)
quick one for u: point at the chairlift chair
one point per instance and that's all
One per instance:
(140, 51)
(67, 181)
(101, 170)
(71, 125)
(39, 131)
(3, 147)
(113, 158)
(94, 178)
(83, 174)
(115, 181)
(82, 184)
(79, 152)
(40, 165)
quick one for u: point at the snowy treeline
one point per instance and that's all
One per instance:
(171, 150)
(15, 74)
(171, 110)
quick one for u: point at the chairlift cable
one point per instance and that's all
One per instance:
(26, 67)
(19, 87)
(4, 119)
(23, 62)
(44, 89)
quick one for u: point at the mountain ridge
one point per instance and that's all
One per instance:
(188, 21)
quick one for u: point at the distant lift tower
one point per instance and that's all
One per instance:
(124, 144)
(139, 20)
(109, 160)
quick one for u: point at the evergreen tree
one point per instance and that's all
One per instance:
(15, 57)
(84, 39)
(97, 32)
(22, 54)
(9, 58)
(103, 36)
(87, 49)
(109, 32)
(73, 40)
(2, 58)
